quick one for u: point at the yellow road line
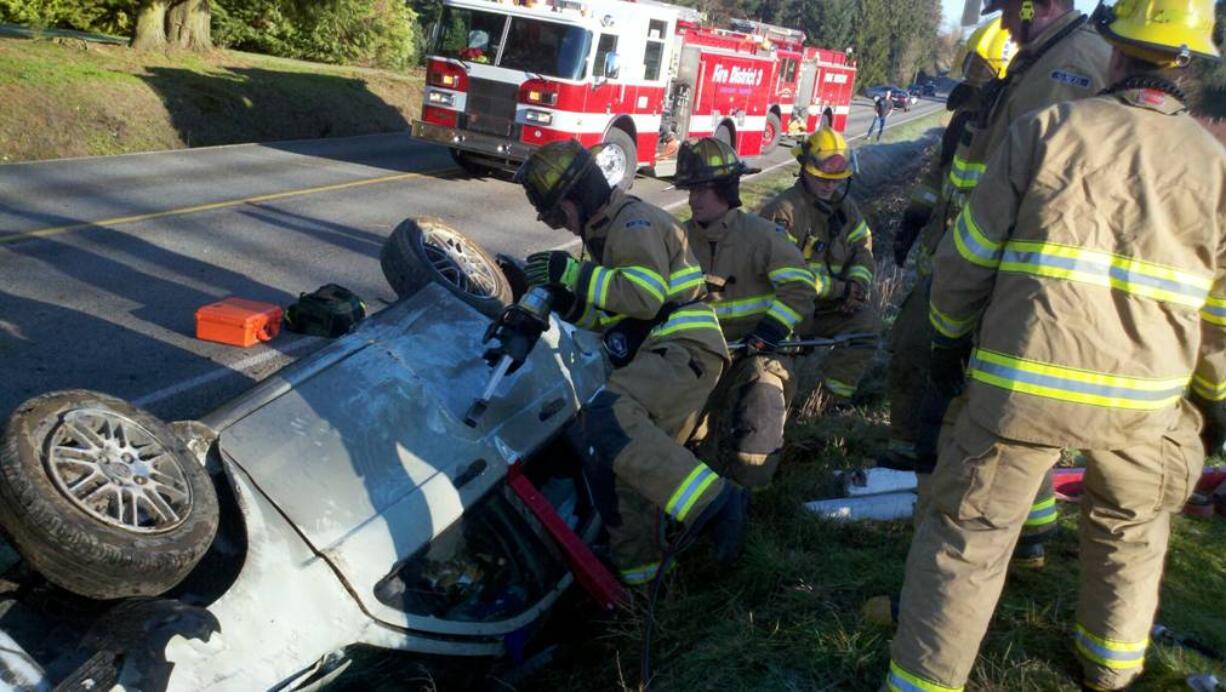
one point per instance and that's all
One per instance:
(120, 220)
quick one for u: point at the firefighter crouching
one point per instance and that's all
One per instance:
(1089, 272)
(836, 243)
(761, 290)
(985, 57)
(643, 289)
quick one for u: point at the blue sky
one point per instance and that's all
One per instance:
(953, 9)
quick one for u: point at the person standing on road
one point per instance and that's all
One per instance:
(986, 56)
(836, 242)
(1062, 58)
(883, 105)
(643, 289)
(1089, 270)
(761, 289)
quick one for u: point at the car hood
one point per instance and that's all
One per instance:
(363, 447)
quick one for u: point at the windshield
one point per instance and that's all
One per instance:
(544, 48)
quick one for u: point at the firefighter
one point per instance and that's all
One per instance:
(643, 289)
(761, 289)
(985, 57)
(824, 222)
(1062, 58)
(1089, 272)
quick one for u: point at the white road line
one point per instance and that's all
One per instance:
(234, 369)
(242, 366)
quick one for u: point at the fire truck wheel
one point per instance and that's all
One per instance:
(102, 498)
(774, 127)
(619, 160)
(470, 165)
(425, 250)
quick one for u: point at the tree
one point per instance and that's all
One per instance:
(188, 24)
(150, 30)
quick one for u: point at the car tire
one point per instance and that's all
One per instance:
(619, 166)
(427, 250)
(101, 498)
(774, 130)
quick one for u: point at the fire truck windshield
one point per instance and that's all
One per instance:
(538, 47)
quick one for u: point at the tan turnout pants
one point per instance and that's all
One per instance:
(745, 419)
(633, 432)
(980, 497)
(910, 343)
(844, 366)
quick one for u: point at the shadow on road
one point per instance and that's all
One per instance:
(345, 237)
(255, 105)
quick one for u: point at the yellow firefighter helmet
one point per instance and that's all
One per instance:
(551, 171)
(985, 55)
(824, 155)
(1164, 32)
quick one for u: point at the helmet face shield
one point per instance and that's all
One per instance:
(825, 155)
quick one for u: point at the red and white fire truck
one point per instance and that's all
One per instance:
(505, 78)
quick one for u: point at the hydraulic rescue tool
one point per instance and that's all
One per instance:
(517, 330)
(856, 340)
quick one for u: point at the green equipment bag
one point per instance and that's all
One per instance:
(330, 311)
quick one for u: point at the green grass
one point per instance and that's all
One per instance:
(787, 616)
(64, 100)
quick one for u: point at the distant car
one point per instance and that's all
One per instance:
(902, 99)
(928, 89)
(874, 92)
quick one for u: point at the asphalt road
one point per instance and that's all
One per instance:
(103, 261)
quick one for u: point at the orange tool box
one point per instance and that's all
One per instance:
(238, 322)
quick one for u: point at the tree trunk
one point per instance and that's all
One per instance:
(150, 32)
(188, 25)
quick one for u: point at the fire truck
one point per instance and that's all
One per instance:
(503, 79)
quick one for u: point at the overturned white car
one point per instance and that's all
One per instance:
(342, 501)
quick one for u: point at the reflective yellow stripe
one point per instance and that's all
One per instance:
(860, 273)
(637, 576)
(900, 680)
(839, 388)
(646, 279)
(689, 491)
(972, 244)
(684, 279)
(1132, 276)
(1213, 391)
(1214, 311)
(1074, 385)
(965, 175)
(789, 317)
(948, 326)
(1110, 653)
(598, 286)
(859, 233)
(924, 195)
(742, 307)
(790, 274)
(1042, 513)
(688, 319)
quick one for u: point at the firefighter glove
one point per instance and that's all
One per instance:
(553, 268)
(949, 367)
(913, 221)
(516, 331)
(766, 336)
(1213, 434)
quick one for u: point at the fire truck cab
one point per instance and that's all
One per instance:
(503, 79)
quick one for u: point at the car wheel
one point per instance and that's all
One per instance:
(425, 250)
(101, 498)
(619, 160)
(770, 139)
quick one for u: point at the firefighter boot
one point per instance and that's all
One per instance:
(1028, 556)
(726, 518)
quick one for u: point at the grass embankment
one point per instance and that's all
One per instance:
(77, 99)
(787, 616)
